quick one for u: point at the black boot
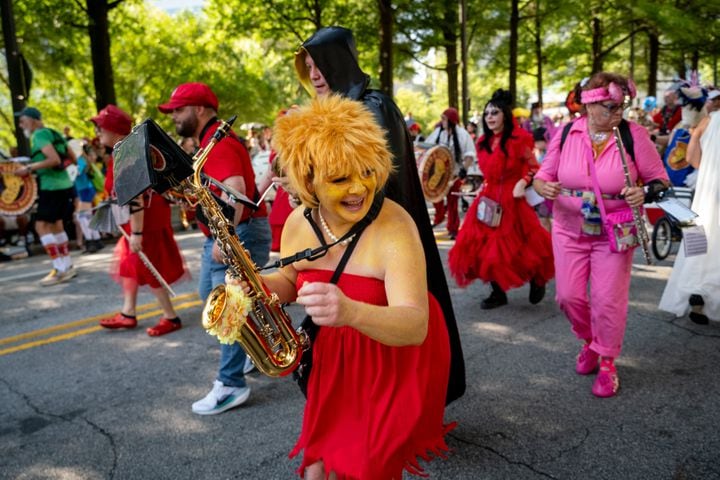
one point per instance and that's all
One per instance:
(496, 299)
(696, 310)
(537, 292)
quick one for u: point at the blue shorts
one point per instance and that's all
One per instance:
(86, 195)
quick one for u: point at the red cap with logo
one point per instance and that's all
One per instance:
(194, 93)
(113, 119)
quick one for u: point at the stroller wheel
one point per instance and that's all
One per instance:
(662, 238)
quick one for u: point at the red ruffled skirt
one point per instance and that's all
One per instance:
(511, 254)
(373, 410)
(158, 244)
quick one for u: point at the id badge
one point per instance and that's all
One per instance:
(592, 221)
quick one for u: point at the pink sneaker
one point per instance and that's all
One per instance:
(607, 382)
(587, 361)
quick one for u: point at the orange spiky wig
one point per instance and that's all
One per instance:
(332, 136)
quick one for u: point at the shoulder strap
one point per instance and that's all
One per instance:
(627, 138)
(565, 132)
(311, 254)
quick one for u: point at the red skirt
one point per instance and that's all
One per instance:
(158, 244)
(372, 410)
(511, 254)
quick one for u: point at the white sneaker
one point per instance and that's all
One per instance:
(249, 365)
(221, 398)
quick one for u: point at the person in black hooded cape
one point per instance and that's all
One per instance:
(332, 51)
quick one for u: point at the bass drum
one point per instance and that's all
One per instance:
(436, 170)
(17, 194)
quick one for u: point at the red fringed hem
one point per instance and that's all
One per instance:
(438, 450)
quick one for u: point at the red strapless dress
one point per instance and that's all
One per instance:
(371, 409)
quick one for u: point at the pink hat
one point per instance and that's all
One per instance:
(113, 119)
(452, 115)
(190, 94)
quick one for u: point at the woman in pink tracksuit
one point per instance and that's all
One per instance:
(580, 246)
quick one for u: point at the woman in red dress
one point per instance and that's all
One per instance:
(381, 358)
(518, 250)
(150, 230)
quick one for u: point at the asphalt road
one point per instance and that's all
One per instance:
(80, 402)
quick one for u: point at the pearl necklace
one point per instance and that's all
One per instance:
(330, 234)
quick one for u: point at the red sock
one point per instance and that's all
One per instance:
(64, 249)
(52, 250)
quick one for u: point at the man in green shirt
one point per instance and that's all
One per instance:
(56, 192)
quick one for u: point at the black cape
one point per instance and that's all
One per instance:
(334, 53)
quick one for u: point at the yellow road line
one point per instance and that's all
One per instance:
(84, 321)
(85, 331)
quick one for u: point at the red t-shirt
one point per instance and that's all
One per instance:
(672, 121)
(230, 158)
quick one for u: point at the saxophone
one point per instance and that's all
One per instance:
(256, 319)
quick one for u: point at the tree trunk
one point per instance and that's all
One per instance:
(98, 29)
(18, 85)
(386, 46)
(463, 58)
(450, 35)
(512, 74)
(538, 53)
(654, 47)
(597, 60)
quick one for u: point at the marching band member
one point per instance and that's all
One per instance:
(150, 230)
(381, 355)
(327, 62)
(581, 248)
(55, 200)
(517, 250)
(451, 134)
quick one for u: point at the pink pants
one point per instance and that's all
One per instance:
(603, 316)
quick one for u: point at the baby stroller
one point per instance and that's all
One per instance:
(667, 228)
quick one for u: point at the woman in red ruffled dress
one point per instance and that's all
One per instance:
(150, 230)
(518, 250)
(381, 357)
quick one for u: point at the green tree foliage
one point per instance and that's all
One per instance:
(244, 50)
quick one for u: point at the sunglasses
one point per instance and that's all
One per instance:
(491, 113)
(612, 107)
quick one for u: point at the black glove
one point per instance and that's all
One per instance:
(655, 190)
(462, 173)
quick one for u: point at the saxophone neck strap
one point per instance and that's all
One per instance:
(312, 254)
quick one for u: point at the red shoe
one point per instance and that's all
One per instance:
(163, 327)
(118, 321)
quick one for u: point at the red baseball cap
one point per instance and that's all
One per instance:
(193, 93)
(452, 115)
(114, 119)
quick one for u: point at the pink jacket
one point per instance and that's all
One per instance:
(570, 167)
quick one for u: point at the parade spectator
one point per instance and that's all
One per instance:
(187, 211)
(713, 101)
(86, 194)
(327, 62)
(451, 134)
(544, 208)
(56, 192)
(193, 107)
(150, 231)
(691, 100)
(667, 117)
(517, 250)
(581, 247)
(694, 281)
(471, 128)
(362, 419)
(539, 120)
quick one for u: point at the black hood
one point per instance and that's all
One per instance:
(334, 53)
